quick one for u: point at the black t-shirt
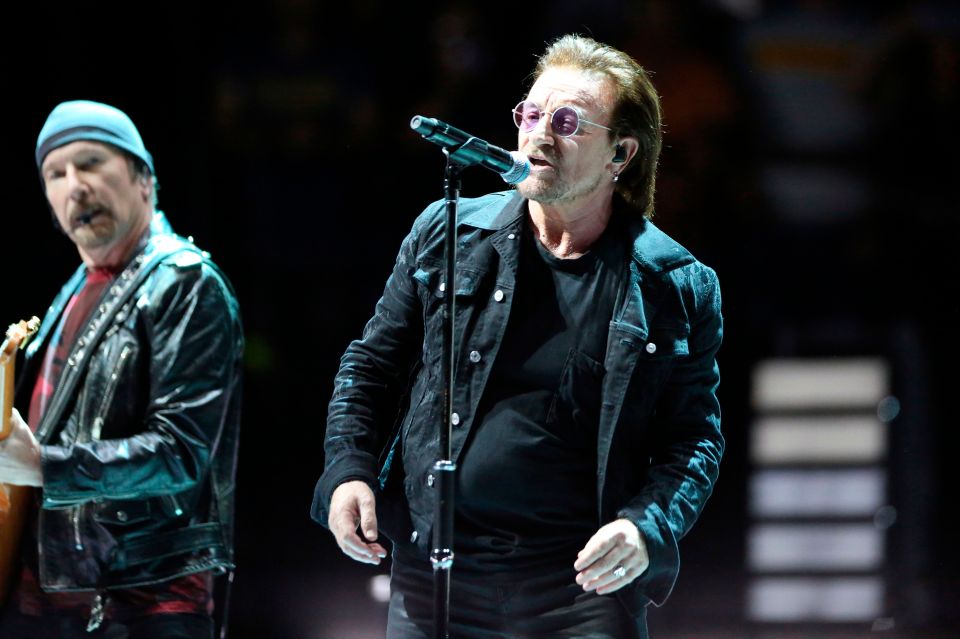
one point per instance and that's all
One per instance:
(526, 480)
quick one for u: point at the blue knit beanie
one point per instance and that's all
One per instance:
(86, 120)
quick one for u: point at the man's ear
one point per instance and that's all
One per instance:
(146, 186)
(624, 150)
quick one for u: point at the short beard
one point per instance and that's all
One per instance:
(557, 192)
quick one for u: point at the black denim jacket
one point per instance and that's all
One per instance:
(140, 436)
(659, 444)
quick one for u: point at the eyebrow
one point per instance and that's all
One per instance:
(80, 155)
(581, 98)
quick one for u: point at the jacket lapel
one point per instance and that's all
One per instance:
(654, 254)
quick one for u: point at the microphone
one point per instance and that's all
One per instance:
(512, 166)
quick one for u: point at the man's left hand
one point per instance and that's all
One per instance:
(20, 455)
(614, 556)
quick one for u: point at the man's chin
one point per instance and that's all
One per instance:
(90, 237)
(536, 190)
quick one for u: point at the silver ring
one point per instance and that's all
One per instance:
(619, 572)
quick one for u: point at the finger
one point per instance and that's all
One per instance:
(356, 549)
(343, 520)
(17, 421)
(598, 545)
(368, 517)
(611, 583)
(617, 556)
(601, 577)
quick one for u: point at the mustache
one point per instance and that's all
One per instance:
(86, 216)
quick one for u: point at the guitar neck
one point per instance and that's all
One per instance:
(7, 361)
(17, 336)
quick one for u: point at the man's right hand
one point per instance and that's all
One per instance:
(351, 506)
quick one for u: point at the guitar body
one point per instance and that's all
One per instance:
(14, 511)
(14, 500)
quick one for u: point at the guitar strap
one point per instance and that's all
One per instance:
(114, 308)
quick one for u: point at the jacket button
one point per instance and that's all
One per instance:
(511, 236)
(121, 515)
(475, 356)
(455, 419)
(413, 537)
(430, 480)
(651, 348)
(498, 295)
(443, 286)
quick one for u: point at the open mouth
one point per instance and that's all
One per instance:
(539, 162)
(86, 217)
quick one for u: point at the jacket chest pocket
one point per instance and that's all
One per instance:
(656, 355)
(431, 288)
(107, 397)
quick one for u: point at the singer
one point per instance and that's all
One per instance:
(131, 393)
(586, 422)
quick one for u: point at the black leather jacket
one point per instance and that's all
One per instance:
(140, 436)
(659, 442)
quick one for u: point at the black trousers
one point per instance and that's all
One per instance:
(14, 625)
(549, 605)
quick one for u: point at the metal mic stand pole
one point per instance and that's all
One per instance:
(441, 557)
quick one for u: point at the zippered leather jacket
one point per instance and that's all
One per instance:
(659, 443)
(139, 440)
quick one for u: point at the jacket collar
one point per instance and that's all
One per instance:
(159, 228)
(653, 251)
(493, 212)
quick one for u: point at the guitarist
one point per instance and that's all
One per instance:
(131, 398)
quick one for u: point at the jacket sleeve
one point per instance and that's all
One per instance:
(191, 326)
(687, 446)
(374, 372)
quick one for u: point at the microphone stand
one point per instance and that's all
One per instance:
(442, 555)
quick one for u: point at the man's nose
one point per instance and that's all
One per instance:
(541, 132)
(79, 189)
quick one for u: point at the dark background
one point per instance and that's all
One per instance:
(810, 157)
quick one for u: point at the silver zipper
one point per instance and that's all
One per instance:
(110, 391)
(75, 518)
(97, 611)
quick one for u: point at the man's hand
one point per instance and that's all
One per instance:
(353, 505)
(20, 455)
(614, 556)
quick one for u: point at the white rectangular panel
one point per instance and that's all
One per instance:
(802, 599)
(815, 439)
(820, 383)
(814, 547)
(811, 493)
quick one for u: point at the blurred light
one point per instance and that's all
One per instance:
(834, 599)
(817, 500)
(781, 493)
(882, 624)
(815, 194)
(814, 547)
(818, 439)
(819, 383)
(888, 408)
(379, 588)
(885, 517)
